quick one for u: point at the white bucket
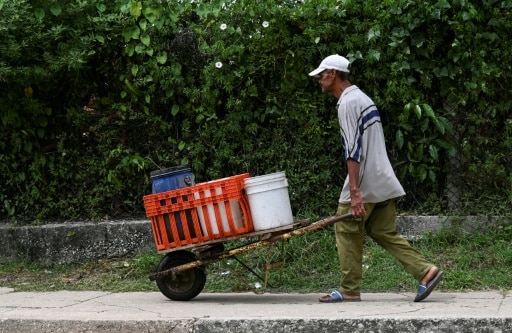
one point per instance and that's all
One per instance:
(269, 201)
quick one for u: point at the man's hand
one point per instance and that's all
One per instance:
(356, 200)
(356, 203)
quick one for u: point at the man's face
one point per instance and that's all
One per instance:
(326, 79)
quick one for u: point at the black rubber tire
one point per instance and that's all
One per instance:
(185, 285)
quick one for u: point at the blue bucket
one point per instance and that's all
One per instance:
(171, 179)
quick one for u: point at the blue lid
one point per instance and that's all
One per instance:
(167, 171)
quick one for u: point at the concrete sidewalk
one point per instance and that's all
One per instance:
(94, 311)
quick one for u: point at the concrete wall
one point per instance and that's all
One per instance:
(78, 242)
(75, 242)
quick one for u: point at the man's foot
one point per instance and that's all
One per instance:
(428, 283)
(336, 296)
(429, 276)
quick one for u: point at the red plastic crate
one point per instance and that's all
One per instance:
(199, 213)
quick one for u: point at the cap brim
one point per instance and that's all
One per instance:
(316, 72)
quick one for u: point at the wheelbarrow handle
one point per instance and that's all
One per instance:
(313, 226)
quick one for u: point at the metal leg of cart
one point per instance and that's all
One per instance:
(276, 264)
(269, 265)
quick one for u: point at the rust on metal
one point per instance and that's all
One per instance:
(249, 247)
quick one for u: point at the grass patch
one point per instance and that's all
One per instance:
(117, 275)
(471, 261)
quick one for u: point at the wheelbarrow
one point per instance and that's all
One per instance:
(192, 224)
(180, 274)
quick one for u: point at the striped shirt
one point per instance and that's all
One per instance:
(362, 137)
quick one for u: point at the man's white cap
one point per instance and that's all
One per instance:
(334, 61)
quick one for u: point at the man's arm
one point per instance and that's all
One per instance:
(356, 200)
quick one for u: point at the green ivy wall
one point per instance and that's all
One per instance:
(223, 87)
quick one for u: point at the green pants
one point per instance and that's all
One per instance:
(378, 223)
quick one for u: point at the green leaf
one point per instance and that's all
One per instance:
(136, 8)
(432, 175)
(39, 13)
(428, 111)
(407, 127)
(433, 152)
(7, 204)
(443, 4)
(145, 39)
(175, 109)
(181, 145)
(55, 9)
(162, 58)
(130, 49)
(101, 7)
(100, 39)
(28, 147)
(410, 168)
(417, 110)
(423, 174)
(135, 70)
(152, 13)
(400, 139)
(43, 122)
(445, 123)
(404, 65)
(372, 34)
(439, 125)
(131, 33)
(176, 69)
(135, 33)
(159, 23)
(407, 110)
(140, 49)
(202, 11)
(425, 125)
(374, 54)
(143, 24)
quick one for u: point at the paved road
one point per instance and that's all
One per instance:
(95, 311)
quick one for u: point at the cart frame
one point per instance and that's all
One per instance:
(174, 278)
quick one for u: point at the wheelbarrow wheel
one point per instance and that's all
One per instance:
(185, 285)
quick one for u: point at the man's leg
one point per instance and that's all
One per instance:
(349, 240)
(381, 226)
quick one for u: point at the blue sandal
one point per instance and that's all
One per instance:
(335, 297)
(424, 291)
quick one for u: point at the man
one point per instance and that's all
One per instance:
(370, 188)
